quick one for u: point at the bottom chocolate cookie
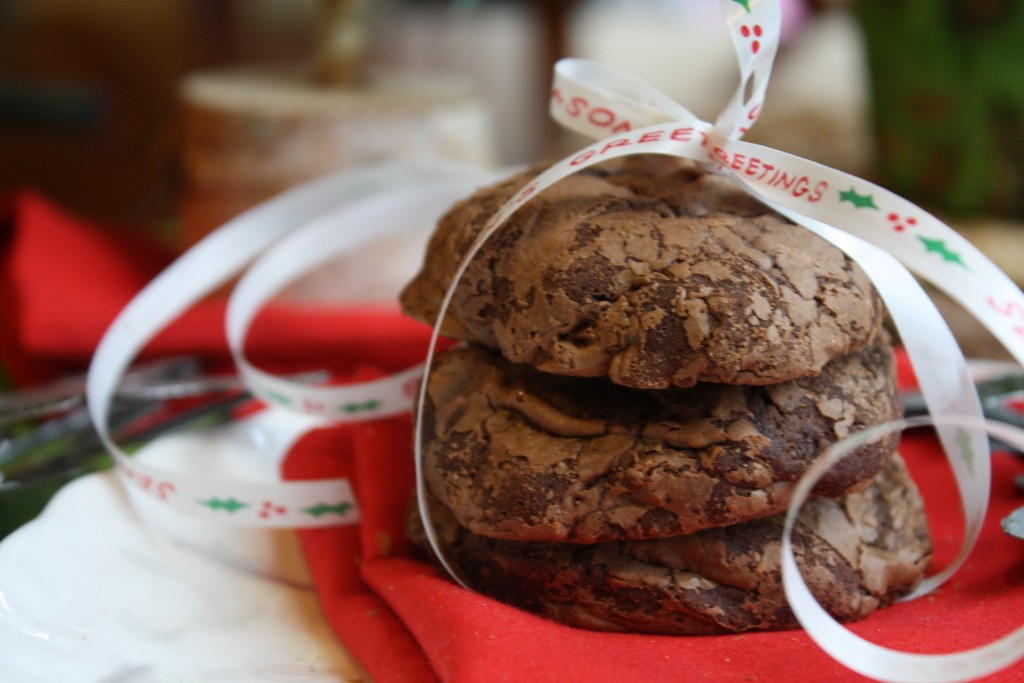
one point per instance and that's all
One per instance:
(857, 553)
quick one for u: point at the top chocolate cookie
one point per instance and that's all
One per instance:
(651, 272)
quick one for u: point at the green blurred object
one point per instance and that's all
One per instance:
(19, 504)
(47, 437)
(66, 447)
(22, 501)
(947, 81)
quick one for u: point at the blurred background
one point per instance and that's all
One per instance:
(93, 101)
(172, 115)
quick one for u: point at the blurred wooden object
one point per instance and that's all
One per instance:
(252, 131)
(342, 38)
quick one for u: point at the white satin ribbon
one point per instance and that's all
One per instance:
(321, 219)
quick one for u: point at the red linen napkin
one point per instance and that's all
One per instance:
(397, 614)
(64, 279)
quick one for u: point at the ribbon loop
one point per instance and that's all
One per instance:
(368, 199)
(331, 235)
(755, 28)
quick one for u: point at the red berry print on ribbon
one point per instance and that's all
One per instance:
(755, 32)
(899, 224)
(752, 115)
(313, 406)
(270, 508)
(162, 489)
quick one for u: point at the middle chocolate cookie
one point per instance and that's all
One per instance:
(520, 454)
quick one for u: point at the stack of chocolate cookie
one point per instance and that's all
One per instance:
(652, 360)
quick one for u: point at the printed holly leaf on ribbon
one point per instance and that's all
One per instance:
(939, 247)
(228, 505)
(325, 509)
(745, 4)
(279, 398)
(860, 201)
(372, 404)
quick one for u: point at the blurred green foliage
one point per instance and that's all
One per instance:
(947, 86)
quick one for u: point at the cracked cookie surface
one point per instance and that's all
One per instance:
(651, 273)
(526, 455)
(856, 553)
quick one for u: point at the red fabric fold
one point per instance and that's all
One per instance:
(64, 279)
(62, 282)
(468, 638)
